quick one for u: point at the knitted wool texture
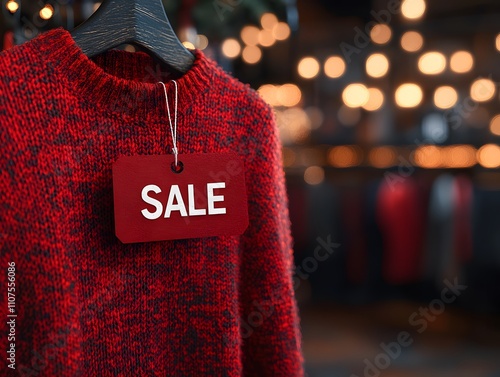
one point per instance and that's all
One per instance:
(89, 305)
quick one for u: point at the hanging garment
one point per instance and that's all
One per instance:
(88, 305)
(440, 230)
(401, 219)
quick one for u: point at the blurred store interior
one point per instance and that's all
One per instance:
(389, 115)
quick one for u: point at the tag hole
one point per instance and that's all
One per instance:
(177, 169)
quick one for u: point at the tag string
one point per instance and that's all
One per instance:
(173, 127)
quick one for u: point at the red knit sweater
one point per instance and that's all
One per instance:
(88, 305)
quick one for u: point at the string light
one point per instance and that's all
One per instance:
(269, 93)
(489, 156)
(188, 45)
(314, 175)
(412, 41)
(46, 12)
(497, 42)
(308, 67)
(408, 95)
(12, 6)
(427, 156)
(381, 34)
(345, 156)
(432, 63)
(231, 48)
(355, 95)
(334, 67)
(281, 31)
(201, 41)
(382, 157)
(251, 54)
(461, 62)
(413, 9)
(250, 35)
(289, 95)
(268, 21)
(482, 90)
(377, 65)
(495, 125)
(266, 38)
(445, 97)
(375, 99)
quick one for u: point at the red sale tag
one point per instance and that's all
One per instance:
(203, 196)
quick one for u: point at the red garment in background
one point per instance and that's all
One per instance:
(8, 40)
(401, 219)
(462, 232)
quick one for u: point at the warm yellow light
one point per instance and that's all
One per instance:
(231, 48)
(489, 156)
(428, 156)
(412, 41)
(314, 175)
(188, 45)
(408, 95)
(46, 12)
(334, 67)
(344, 156)
(381, 34)
(251, 54)
(458, 156)
(377, 65)
(375, 100)
(268, 21)
(461, 62)
(269, 93)
(413, 9)
(266, 38)
(289, 95)
(201, 41)
(355, 95)
(495, 125)
(445, 97)
(12, 6)
(497, 42)
(382, 157)
(482, 90)
(250, 35)
(281, 31)
(432, 63)
(308, 67)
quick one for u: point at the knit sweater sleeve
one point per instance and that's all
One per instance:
(269, 319)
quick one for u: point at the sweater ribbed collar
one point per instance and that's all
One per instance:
(120, 80)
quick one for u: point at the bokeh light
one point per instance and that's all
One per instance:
(445, 97)
(377, 65)
(355, 95)
(381, 34)
(412, 41)
(413, 9)
(482, 90)
(432, 63)
(334, 67)
(308, 67)
(461, 62)
(408, 95)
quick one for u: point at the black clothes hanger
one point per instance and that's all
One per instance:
(140, 22)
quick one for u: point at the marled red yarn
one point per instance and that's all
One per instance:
(91, 306)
